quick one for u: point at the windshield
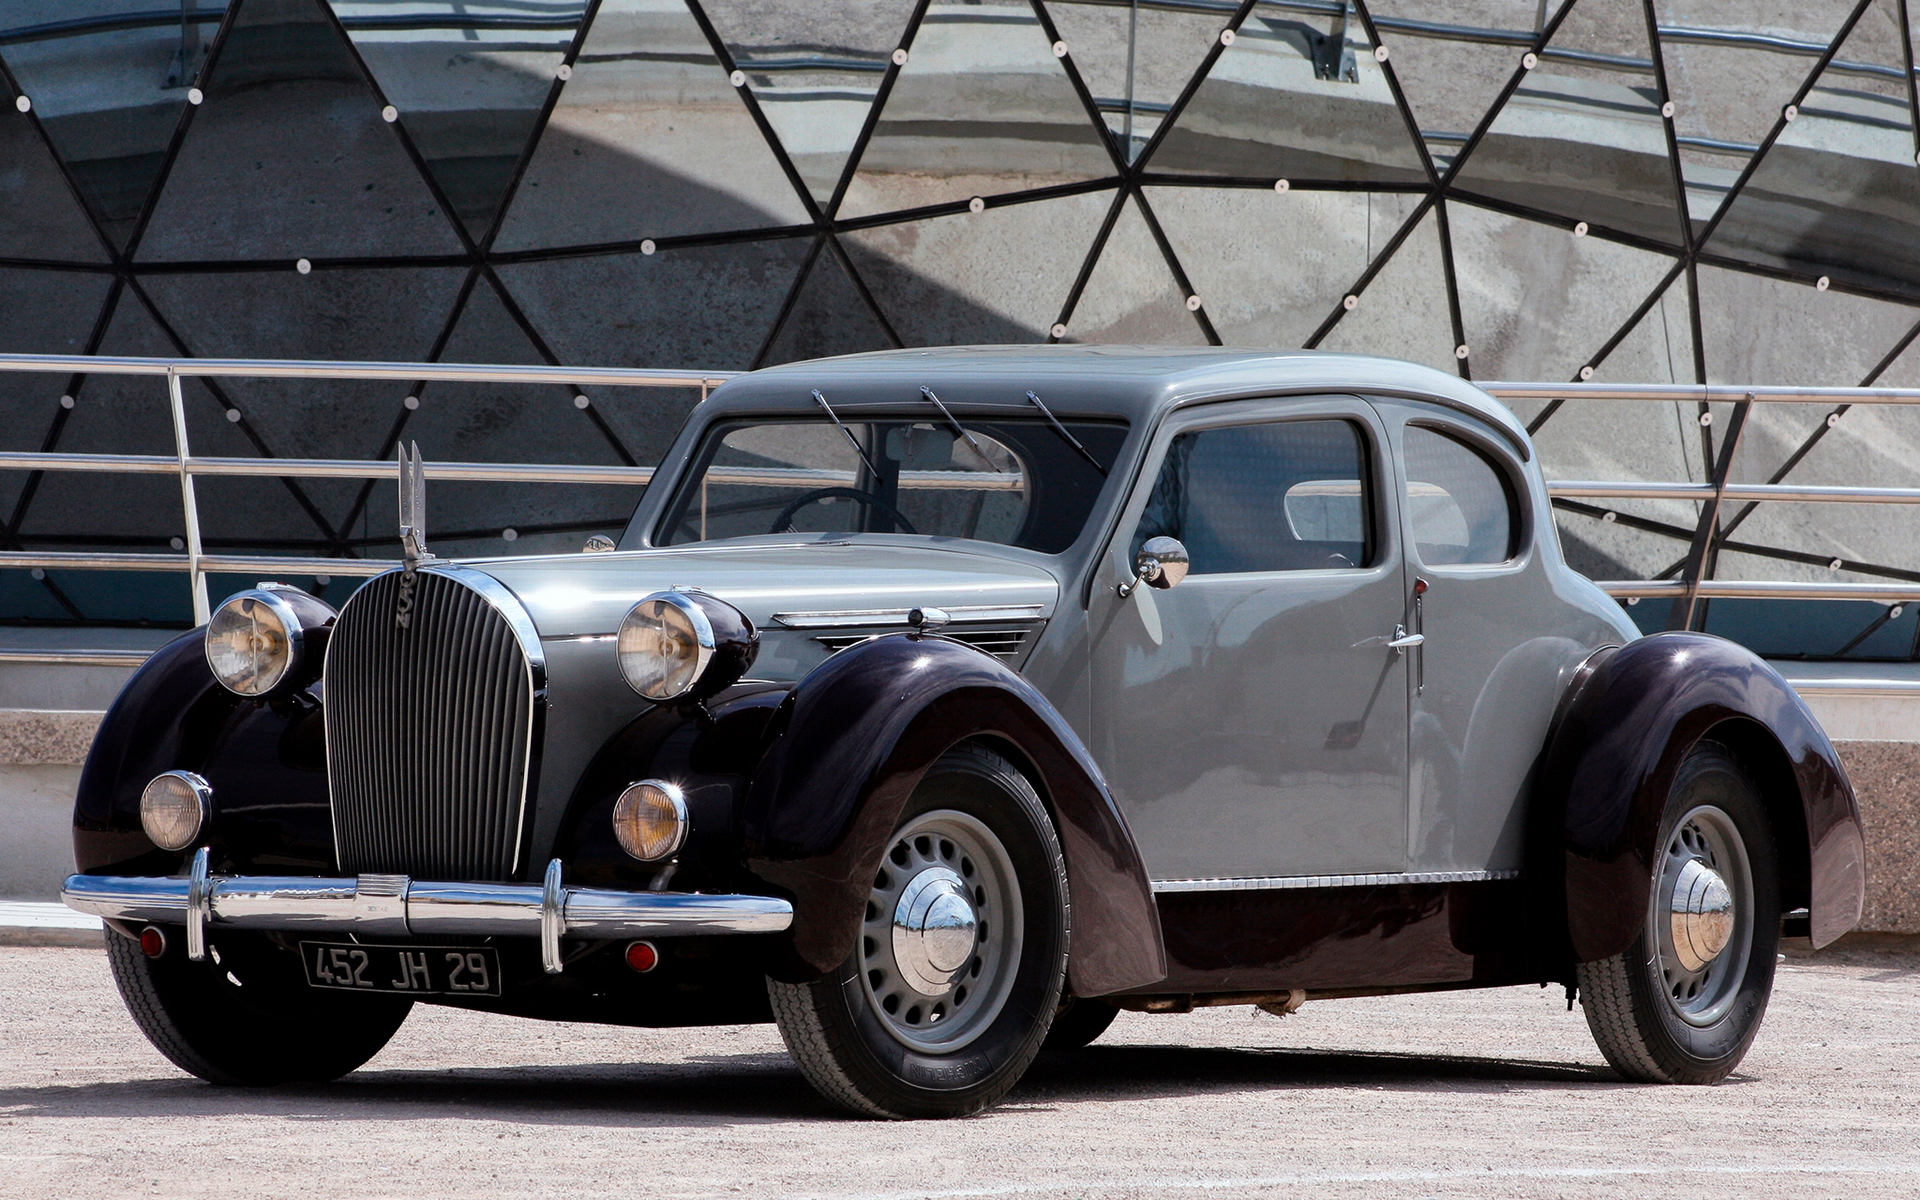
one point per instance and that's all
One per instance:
(1016, 483)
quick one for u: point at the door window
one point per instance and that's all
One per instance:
(1281, 496)
(1460, 506)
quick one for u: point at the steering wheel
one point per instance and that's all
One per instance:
(784, 522)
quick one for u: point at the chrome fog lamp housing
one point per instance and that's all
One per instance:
(650, 820)
(175, 808)
(684, 645)
(260, 639)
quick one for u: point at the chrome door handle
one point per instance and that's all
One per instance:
(1402, 639)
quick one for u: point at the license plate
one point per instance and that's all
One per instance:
(415, 970)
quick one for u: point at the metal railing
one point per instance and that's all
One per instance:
(1689, 584)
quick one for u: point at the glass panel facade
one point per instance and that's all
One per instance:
(726, 183)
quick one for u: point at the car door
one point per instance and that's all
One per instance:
(1251, 720)
(1487, 676)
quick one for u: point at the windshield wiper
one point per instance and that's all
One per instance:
(1062, 431)
(957, 426)
(873, 472)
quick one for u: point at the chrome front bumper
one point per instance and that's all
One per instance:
(399, 906)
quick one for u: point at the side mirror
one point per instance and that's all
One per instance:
(1161, 563)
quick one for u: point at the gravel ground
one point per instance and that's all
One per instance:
(1466, 1095)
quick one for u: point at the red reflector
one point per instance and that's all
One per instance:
(641, 956)
(153, 943)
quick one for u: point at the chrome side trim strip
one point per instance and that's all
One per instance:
(1290, 882)
(846, 617)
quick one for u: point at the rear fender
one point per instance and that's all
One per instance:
(851, 743)
(1612, 762)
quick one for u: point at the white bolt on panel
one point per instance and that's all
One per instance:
(1529, 61)
(1460, 351)
(647, 246)
(1059, 49)
(1193, 304)
(1059, 331)
(303, 266)
(581, 402)
(900, 57)
(1586, 373)
(195, 96)
(1226, 37)
(976, 205)
(1282, 185)
(1579, 229)
(563, 72)
(389, 114)
(738, 79)
(1350, 303)
(22, 103)
(1379, 54)
(1823, 283)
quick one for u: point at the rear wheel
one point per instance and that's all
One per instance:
(247, 1016)
(1683, 1003)
(961, 957)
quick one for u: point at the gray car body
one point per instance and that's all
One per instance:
(1226, 778)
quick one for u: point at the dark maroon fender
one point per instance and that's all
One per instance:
(853, 740)
(1634, 717)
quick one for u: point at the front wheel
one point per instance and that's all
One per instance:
(1683, 1003)
(946, 997)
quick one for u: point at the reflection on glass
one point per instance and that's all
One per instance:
(469, 78)
(1452, 58)
(1136, 58)
(1014, 483)
(1582, 137)
(828, 317)
(814, 71)
(1460, 507)
(1297, 96)
(1403, 311)
(111, 128)
(1835, 195)
(42, 220)
(647, 140)
(981, 107)
(1131, 296)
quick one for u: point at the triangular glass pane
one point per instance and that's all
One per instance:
(981, 107)
(1269, 268)
(1131, 296)
(487, 422)
(1452, 59)
(288, 155)
(705, 308)
(1404, 306)
(995, 276)
(42, 218)
(648, 140)
(1532, 296)
(469, 78)
(814, 76)
(111, 129)
(828, 318)
(1728, 86)
(1659, 347)
(1777, 332)
(1582, 137)
(1297, 96)
(1136, 59)
(1836, 193)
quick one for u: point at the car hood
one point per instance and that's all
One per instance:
(583, 595)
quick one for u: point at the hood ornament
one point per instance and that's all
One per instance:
(413, 530)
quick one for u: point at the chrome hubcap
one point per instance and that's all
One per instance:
(1702, 915)
(940, 945)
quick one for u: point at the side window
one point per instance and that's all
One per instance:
(1460, 507)
(1283, 496)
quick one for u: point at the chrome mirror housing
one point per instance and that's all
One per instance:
(1161, 563)
(599, 543)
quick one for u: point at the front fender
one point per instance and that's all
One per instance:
(852, 742)
(1612, 762)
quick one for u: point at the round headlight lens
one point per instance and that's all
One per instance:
(650, 820)
(664, 645)
(252, 642)
(174, 809)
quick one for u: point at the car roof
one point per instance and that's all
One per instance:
(1133, 383)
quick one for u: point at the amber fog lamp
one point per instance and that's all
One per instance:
(175, 808)
(684, 645)
(262, 638)
(650, 820)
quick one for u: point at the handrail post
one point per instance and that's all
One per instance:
(196, 580)
(1700, 553)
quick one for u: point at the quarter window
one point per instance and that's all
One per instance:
(1283, 496)
(1460, 506)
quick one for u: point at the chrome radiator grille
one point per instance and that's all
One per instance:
(429, 733)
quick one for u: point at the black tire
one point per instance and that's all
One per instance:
(860, 1053)
(1656, 1019)
(1078, 1025)
(269, 1028)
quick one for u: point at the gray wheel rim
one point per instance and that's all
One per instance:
(940, 945)
(1705, 847)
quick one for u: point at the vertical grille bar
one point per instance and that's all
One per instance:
(429, 733)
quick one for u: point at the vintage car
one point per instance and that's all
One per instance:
(936, 705)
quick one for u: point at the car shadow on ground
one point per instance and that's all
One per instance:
(728, 1089)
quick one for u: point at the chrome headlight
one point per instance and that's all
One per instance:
(257, 639)
(175, 808)
(684, 645)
